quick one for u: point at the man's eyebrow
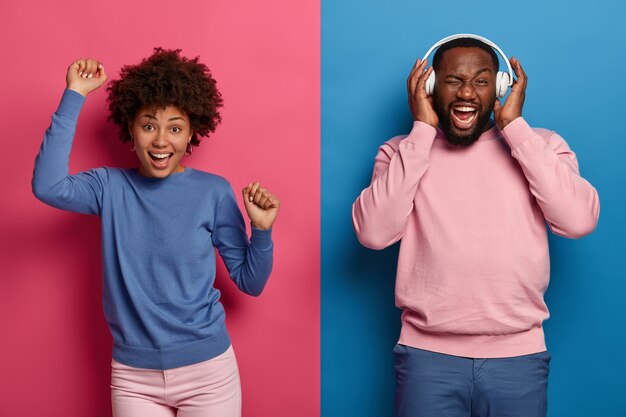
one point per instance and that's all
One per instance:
(459, 77)
(487, 69)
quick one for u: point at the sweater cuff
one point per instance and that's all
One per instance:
(70, 105)
(517, 132)
(261, 239)
(422, 135)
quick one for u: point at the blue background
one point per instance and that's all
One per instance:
(574, 56)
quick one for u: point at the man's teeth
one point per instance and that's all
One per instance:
(465, 122)
(464, 109)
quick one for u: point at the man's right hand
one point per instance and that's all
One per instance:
(420, 103)
(85, 75)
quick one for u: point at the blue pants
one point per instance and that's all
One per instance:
(430, 384)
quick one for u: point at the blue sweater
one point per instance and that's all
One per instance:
(158, 239)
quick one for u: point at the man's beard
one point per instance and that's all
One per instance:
(468, 137)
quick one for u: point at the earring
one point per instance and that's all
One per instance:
(132, 144)
(189, 149)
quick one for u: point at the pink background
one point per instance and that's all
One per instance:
(54, 344)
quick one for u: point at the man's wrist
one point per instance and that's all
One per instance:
(505, 122)
(422, 134)
(517, 132)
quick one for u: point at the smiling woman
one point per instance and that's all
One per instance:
(158, 294)
(160, 139)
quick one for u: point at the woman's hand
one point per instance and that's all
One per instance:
(261, 206)
(85, 75)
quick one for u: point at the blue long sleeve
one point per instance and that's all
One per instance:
(158, 243)
(51, 182)
(247, 263)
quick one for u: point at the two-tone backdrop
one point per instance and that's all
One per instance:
(311, 89)
(54, 343)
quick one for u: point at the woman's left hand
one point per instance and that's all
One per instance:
(261, 206)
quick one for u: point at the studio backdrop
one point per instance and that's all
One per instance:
(54, 344)
(573, 54)
(311, 89)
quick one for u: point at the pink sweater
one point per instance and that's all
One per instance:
(474, 264)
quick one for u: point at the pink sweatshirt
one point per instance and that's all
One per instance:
(474, 264)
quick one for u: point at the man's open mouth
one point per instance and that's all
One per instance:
(463, 116)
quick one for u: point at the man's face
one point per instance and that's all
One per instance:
(465, 92)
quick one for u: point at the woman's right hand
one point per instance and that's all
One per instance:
(85, 75)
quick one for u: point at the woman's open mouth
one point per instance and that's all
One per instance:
(160, 159)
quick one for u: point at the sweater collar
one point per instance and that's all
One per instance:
(170, 178)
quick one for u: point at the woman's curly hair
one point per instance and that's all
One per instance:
(166, 79)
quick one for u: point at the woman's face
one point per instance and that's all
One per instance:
(160, 139)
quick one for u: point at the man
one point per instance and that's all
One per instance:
(469, 198)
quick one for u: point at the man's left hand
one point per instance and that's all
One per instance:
(512, 108)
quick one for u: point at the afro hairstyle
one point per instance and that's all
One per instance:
(166, 79)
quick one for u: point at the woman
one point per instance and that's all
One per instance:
(160, 223)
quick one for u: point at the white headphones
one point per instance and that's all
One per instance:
(503, 80)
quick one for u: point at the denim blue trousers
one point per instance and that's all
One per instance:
(430, 384)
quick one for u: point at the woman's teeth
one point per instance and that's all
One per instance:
(160, 155)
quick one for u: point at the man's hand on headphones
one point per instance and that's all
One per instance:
(420, 103)
(512, 108)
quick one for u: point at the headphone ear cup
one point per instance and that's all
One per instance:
(429, 85)
(502, 83)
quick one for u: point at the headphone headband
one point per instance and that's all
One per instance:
(479, 38)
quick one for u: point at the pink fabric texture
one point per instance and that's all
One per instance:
(209, 388)
(474, 264)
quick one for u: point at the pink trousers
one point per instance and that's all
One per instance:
(204, 389)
